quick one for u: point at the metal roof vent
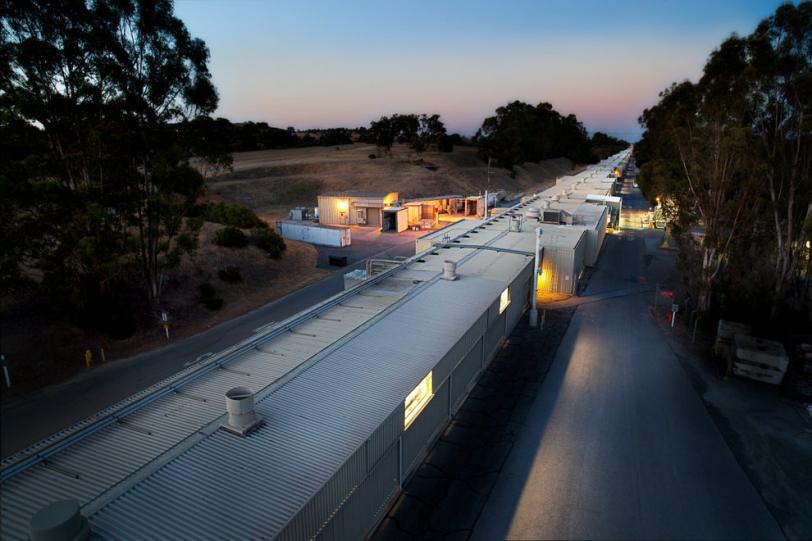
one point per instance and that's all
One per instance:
(242, 418)
(533, 213)
(515, 224)
(449, 270)
(59, 521)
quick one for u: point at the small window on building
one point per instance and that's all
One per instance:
(417, 400)
(504, 300)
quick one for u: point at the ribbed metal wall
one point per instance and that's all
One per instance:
(367, 504)
(519, 297)
(316, 514)
(465, 375)
(494, 336)
(562, 266)
(604, 221)
(458, 351)
(421, 432)
(384, 437)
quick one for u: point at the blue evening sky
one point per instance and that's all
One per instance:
(342, 63)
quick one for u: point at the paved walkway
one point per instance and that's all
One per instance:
(618, 444)
(590, 429)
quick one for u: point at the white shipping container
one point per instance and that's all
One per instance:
(324, 235)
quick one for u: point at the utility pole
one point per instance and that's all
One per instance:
(534, 313)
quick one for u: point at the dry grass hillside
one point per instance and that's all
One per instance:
(272, 181)
(44, 350)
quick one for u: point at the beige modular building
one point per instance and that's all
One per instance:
(355, 207)
(562, 258)
(300, 431)
(430, 210)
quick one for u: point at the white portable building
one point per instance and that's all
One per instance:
(594, 219)
(325, 235)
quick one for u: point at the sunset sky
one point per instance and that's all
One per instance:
(342, 63)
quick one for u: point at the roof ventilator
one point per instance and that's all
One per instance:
(515, 224)
(242, 418)
(59, 521)
(449, 270)
(533, 213)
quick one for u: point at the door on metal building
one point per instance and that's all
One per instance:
(373, 217)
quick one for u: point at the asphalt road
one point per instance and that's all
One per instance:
(28, 420)
(617, 444)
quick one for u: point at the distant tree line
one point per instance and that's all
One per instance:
(248, 136)
(520, 132)
(731, 156)
(420, 131)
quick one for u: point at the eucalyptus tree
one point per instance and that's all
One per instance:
(734, 152)
(108, 84)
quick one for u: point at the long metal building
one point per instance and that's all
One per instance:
(349, 395)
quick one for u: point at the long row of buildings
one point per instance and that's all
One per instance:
(310, 428)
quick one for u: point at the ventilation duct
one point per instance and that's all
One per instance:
(449, 270)
(59, 521)
(533, 213)
(515, 224)
(242, 418)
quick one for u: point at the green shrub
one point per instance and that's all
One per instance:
(230, 274)
(228, 214)
(208, 296)
(269, 241)
(230, 237)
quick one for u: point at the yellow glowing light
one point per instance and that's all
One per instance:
(504, 300)
(343, 205)
(417, 400)
(543, 279)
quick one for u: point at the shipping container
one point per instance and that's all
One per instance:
(324, 235)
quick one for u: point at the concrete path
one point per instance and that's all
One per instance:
(617, 444)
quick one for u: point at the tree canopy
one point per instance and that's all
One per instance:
(732, 154)
(95, 99)
(421, 132)
(520, 132)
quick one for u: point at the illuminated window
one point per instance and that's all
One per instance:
(417, 400)
(504, 300)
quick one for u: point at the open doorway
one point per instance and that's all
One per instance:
(390, 222)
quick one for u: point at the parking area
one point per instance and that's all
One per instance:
(371, 242)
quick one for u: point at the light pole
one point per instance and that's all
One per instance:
(534, 287)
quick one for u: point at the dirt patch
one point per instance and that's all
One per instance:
(44, 352)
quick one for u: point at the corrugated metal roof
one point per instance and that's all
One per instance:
(136, 467)
(254, 485)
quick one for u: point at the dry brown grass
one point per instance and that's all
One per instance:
(271, 181)
(42, 352)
